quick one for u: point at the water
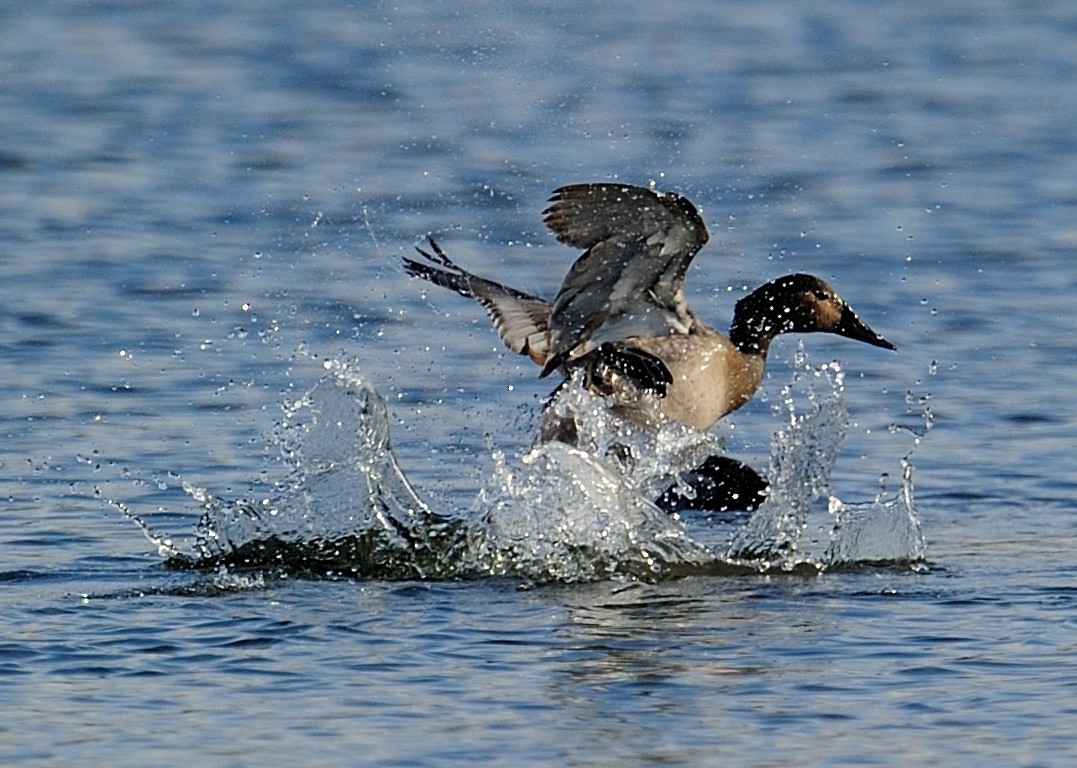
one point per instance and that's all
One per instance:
(202, 213)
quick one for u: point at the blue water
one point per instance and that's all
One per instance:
(202, 213)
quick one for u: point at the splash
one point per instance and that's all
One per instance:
(346, 507)
(555, 513)
(885, 531)
(803, 455)
(563, 514)
(888, 529)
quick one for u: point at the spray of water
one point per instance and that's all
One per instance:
(554, 513)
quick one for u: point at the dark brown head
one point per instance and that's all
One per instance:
(795, 304)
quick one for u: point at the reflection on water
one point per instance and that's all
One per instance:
(637, 632)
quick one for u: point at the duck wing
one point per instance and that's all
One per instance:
(630, 280)
(522, 320)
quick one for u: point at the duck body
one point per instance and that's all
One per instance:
(622, 317)
(709, 377)
(695, 377)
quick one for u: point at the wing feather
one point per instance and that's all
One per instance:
(521, 320)
(630, 280)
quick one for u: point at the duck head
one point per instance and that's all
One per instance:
(796, 303)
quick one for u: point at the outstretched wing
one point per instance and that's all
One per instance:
(630, 280)
(522, 320)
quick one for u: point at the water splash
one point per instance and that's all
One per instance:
(585, 512)
(886, 530)
(563, 514)
(803, 455)
(556, 513)
(346, 506)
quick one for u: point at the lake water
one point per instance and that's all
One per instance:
(203, 208)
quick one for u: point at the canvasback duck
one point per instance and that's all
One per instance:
(622, 317)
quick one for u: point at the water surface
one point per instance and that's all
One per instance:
(200, 205)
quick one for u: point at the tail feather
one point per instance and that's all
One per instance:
(521, 319)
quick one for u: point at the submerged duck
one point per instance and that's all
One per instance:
(622, 318)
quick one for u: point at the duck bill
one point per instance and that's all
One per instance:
(852, 327)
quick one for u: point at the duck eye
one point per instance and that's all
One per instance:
(821, 295)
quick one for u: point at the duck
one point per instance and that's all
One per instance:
(621, 318)
(621, 315)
